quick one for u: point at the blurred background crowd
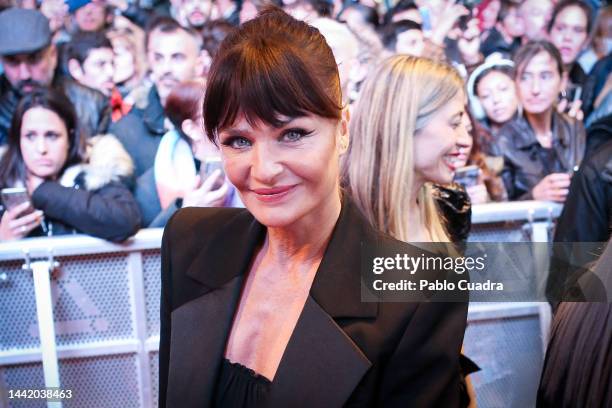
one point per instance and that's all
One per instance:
(101, 119)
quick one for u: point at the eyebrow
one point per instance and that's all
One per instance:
(283, 123)
(460, 114)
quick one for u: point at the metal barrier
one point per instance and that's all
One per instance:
(82, 314)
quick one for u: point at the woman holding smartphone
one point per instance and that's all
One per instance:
(187, 170)
(74, 189)
(262, 306)
(541, 147)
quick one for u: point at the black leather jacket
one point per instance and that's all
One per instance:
(526, 162)
(92, 107)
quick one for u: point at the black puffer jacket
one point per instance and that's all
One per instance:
(526, 162)
(92, 108)
(91, 198)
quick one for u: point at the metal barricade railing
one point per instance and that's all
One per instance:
(82, 314)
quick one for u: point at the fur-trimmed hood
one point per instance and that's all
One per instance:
(106, 161)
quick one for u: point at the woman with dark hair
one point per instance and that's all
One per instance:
(179, 176)
(71, 189)
(493, 99)
(263, 307)
(541, 147)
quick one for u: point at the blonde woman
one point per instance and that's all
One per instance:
(408, 131)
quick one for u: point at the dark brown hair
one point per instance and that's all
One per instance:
(185, 102)
(271, 66)
(526, 53)
(12, 166)
(563, 4)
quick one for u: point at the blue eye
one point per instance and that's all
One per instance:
(237, 142)
(294, 135)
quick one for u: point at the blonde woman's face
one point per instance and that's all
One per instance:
(437, 146)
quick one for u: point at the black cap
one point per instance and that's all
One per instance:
(23, 31)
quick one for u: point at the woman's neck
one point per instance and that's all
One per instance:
(305, 240)
(541, 124)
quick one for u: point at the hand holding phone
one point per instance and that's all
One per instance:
(207, 169)
(467, 176)
(19, 221)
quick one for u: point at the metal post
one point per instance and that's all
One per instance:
(41, 271)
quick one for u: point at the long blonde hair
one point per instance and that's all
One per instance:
(398, 99)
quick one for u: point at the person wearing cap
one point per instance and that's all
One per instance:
(30, 60)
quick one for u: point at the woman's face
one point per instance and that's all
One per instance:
(569, 33)
(125, 67)
(497, 96)
(44, 142)
(437, 145)
(538, 83)
(285, 175)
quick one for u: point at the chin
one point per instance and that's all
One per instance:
(274, 217)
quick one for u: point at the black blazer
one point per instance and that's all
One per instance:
(342, 353)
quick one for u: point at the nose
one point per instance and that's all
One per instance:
(265, 166)
(109, 69)
(535, 86)
(24, 71)
(463, 138)
(41, 145)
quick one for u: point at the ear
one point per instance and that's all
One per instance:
(75, 69)
(188, 127)
(344, 137)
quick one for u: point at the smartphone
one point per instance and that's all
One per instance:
(208, 167)
(12, 197)
(467, 176)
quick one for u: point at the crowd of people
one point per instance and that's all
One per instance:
(524, 67)
(392, 118)
(536, 76)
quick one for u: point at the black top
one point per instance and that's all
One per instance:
(240, 387)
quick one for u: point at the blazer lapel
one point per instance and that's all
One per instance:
(321, 365)
(197, 346)
(200, 328)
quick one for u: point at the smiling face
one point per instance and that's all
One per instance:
(289, 175)
(436, 146)
(497, 95)
(538, 83)
(569, 33)
(44, 142)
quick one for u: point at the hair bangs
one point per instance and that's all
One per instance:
(265, 83)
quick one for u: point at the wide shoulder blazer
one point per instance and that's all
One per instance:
(343, 352)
